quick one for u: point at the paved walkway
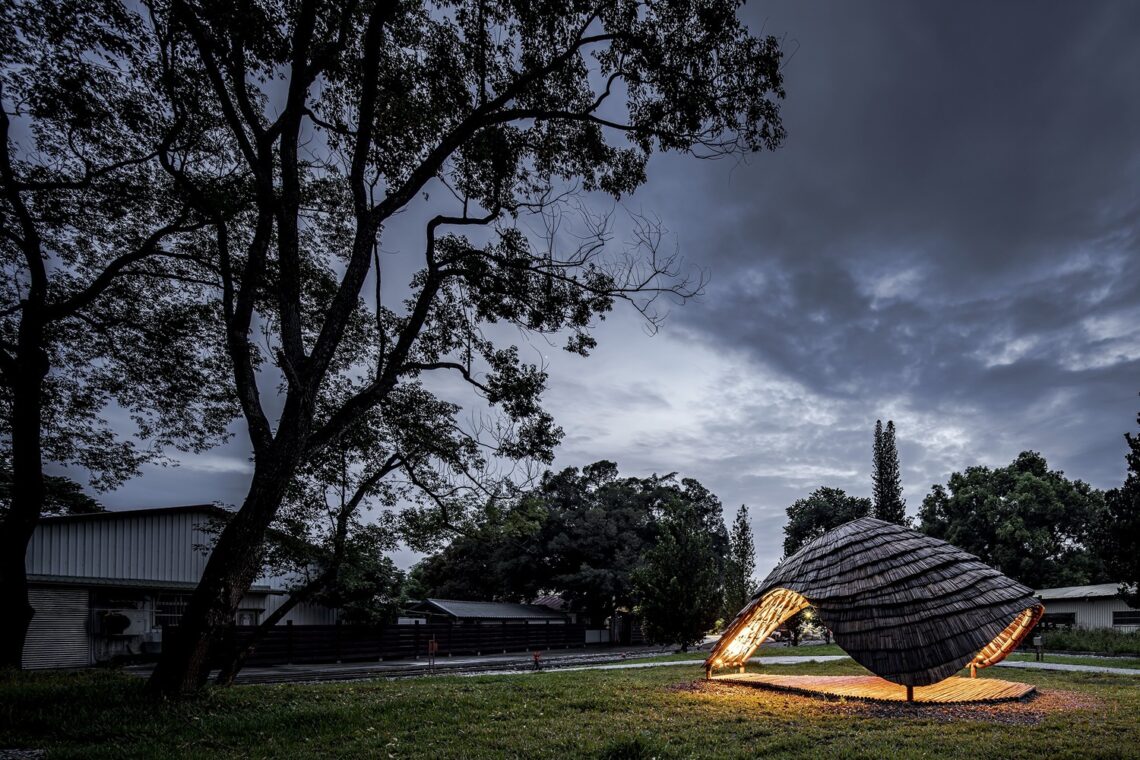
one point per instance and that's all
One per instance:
(1070, 668)
(562, 660)
(664, 664)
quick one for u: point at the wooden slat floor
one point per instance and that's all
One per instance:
(875, 689)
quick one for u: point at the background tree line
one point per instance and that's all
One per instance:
(604, 543)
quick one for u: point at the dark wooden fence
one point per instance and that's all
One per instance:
(344, 643)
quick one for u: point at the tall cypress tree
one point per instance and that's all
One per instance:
(877, 482)
(886, 479)
(738, 583)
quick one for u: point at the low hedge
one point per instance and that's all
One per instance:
(1100, 641)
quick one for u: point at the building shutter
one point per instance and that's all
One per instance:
(57, 637)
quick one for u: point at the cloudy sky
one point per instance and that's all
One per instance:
(949, 238)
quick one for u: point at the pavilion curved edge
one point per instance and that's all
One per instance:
(910, 608)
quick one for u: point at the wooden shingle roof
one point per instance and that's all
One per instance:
(910, 608)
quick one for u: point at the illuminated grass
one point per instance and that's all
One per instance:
(622, 713)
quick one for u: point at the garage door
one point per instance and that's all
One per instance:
(57, 637)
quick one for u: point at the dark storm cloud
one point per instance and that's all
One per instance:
(952, 223)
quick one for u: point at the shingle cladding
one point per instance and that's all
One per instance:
(910, 608)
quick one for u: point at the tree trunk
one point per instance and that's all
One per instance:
(234, 564)
(235, 657)
(27, 496)
(13, 595)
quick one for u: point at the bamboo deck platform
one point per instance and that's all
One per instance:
(875, 689)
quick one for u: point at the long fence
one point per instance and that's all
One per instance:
(344, 643)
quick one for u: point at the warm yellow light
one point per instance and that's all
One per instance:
(755, 624)
(1007, 641)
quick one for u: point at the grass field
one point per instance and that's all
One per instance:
(1107, 662)
(652, 712)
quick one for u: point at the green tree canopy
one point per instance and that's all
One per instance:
(678, 581)
(824, 509)
(579, 533)
(1120, 530)
(1030, 522)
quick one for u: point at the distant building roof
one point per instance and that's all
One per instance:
(133, 583)
(1079, 592)
(553, 601)
(111, 514)
(462, 610)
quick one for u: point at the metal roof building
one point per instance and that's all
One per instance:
(485, 612)
(1097, 606)
(104, 584)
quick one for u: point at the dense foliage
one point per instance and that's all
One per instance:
(1100, 641)
(1119, 541)
(1030, 522)
(825, 508)
(580, 534)
(886, 479)
(678, 582)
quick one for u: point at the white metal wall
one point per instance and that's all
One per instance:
(152, 547)
(57, 637)
(1090, 613)
(302, 614)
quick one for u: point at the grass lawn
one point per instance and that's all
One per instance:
(651, 712)
(1107, 662)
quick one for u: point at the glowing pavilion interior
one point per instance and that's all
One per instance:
(912, 609)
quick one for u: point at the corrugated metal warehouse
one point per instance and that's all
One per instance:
(1097, 606)
(104, 584)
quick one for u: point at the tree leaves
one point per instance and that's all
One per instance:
(824, 509)
(1031, 523)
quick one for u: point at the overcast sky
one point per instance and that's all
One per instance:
(948, 238)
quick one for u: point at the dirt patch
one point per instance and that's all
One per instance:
(1028, 711)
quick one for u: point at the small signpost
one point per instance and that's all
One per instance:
(1039, 645)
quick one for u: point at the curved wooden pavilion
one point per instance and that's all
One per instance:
(912, 609)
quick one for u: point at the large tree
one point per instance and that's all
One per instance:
(105, 298)
(498, 557)
(886, 479)
(823, 509)
(579, 533)
(1030, 522)
(342, 118)
(1120, 531)
(678, 582)
(739, 585)
(593, 544)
